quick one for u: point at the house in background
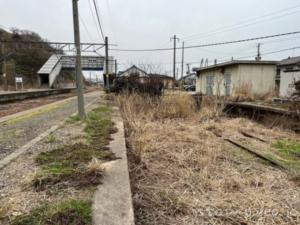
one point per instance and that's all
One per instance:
(167, 81)
(235, 77)
(288, 73)
(189, 79)
(135, 71)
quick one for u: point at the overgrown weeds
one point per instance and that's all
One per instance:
(181, 173)
(135, 107)
(72, 212)
(290, 149)
(69, 166)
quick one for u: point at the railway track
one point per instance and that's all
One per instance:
(258, 147)
(19, 96)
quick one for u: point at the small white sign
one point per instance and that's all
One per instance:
(19, 79)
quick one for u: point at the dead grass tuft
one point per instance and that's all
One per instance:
(243, 92)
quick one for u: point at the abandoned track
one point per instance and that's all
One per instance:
(11, 108)
(22, 95)
(269, 116)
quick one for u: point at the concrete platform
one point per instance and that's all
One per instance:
(21, 95)
(113, 200)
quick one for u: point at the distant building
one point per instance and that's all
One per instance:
(235, 77)
(288, 73)
(168, 81)
(189, 79)
(135, 71)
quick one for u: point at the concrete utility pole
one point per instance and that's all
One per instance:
(106, 63)
(116, 67)
(258, 57)
(174, 57)
(78, 72)
(188, 68)
(182, 61)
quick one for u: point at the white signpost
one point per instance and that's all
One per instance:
(19, 80)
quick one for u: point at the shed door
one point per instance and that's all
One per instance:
(209, 84)
(227, 84)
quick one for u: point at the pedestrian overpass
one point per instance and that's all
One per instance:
(49, 74)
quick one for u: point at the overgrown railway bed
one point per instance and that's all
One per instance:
(269, 116)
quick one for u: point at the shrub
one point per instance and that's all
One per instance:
(145, 85)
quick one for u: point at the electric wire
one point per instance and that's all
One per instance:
(94, 19)
(208, 45)
(98, 19)
(86, 29)
(241, 23)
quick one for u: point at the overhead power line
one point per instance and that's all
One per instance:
(245, 22)
(244, 25)
(272, 52)
(98, 19)
(227, 59)
(208, 45)
(94, 19)
(86, 29)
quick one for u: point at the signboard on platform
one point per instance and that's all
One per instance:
(19, 79)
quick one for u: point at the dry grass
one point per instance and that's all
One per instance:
(243, 92)
(182, 174)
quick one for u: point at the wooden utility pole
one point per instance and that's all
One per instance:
(174, 57)
(106, 63)
(182, 61)
(78, 72)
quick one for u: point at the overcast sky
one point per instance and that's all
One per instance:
(151, 23)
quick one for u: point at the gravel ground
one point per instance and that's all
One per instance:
(13, 135)
(16, 194)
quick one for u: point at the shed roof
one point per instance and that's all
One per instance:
(236, 62)
(289, 61)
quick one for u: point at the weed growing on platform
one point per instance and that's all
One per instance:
(72, 212)
(68, 166)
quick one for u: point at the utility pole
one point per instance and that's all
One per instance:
(78, 72)
(116, 67)
(258, 57)
(182, 61)
(4, 74)
(188, 68)
(174, 57)
(106, 63)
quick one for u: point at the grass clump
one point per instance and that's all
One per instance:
(68, 166)
(72, 212)
(288, 149)
(73, 119)
(51, 139)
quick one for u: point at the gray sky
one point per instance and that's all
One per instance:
(151, 23)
